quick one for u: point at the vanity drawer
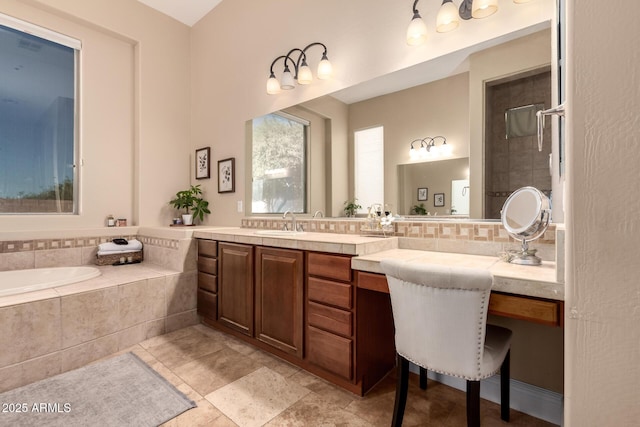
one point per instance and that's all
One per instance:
(541, 311)
(329, 266)
(327, 292)
(208, 265)
(330, 352)
(208, 248)
(372, 281)
(207, 304)
(330, 319)
(208, 282)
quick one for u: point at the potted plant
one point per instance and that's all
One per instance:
(191, 201)
(419, 209)
(351, 207)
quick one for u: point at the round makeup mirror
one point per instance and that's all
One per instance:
(525, 216)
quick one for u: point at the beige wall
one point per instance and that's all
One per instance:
(603, 204)
(135, 138)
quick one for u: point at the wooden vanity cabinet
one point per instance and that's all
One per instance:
(329, 331)
(279, 287)
(208, 279)
(235, 287)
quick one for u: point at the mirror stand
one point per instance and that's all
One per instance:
(525, 256)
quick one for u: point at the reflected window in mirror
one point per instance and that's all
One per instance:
(279, 149)
(369, 166)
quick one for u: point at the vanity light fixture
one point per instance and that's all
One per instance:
(429, 148)
(448, 18)
(302, 73)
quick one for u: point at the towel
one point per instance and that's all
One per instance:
(125, 251)
(109, 248)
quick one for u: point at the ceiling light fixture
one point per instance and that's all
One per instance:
(302, 73)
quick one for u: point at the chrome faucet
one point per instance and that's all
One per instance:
(318, 213)
(294, 226)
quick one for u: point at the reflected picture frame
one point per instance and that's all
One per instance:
(203, 163)
(226, 175)
(423, 194)
(438, 200)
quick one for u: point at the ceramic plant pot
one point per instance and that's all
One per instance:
(187, 219)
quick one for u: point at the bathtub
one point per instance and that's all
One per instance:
(21, 281)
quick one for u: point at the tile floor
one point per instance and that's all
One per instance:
(236, 384)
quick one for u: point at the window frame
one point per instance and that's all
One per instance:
(75, 44)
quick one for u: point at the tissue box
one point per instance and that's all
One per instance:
(111, 259)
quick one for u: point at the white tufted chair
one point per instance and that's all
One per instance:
(440, 316)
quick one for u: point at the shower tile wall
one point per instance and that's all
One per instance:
(515, 162)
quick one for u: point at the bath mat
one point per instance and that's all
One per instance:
(121, 391)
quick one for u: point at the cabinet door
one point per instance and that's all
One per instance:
(279, 298)
(235, 287)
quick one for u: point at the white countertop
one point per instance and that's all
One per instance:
(535, 281)
(348, 244)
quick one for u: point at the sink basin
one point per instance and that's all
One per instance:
(278, 233)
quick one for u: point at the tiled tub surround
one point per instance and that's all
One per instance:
(54, 330)
(172, 248)
(476, 238)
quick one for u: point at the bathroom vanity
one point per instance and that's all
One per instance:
(319, 300)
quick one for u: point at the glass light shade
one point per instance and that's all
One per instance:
(446, 149)
(448, 18)
(286, 82)
(324, 68)
(305, 76)
(417, 31)
(484, 8)
(423, 152)
(273, 86)
(413, 153)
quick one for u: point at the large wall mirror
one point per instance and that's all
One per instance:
(463, 100)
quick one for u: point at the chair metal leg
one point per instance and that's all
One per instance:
(402, 387)
(473, 403)
(423, 378)
(504, 387)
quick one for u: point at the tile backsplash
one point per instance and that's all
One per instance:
(477, 238)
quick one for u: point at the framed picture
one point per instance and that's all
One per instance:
(203, 162)
(226, 175)
(423, 194)
(438, 200)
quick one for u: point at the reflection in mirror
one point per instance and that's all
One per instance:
(436, 177)
(460, 192)
(525, 216)
(453, 105)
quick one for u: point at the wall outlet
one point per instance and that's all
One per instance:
(240, 206)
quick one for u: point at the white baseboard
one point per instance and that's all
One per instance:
(529, 399)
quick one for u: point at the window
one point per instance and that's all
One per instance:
(38, 148)
(279, 164)
(369, 166)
